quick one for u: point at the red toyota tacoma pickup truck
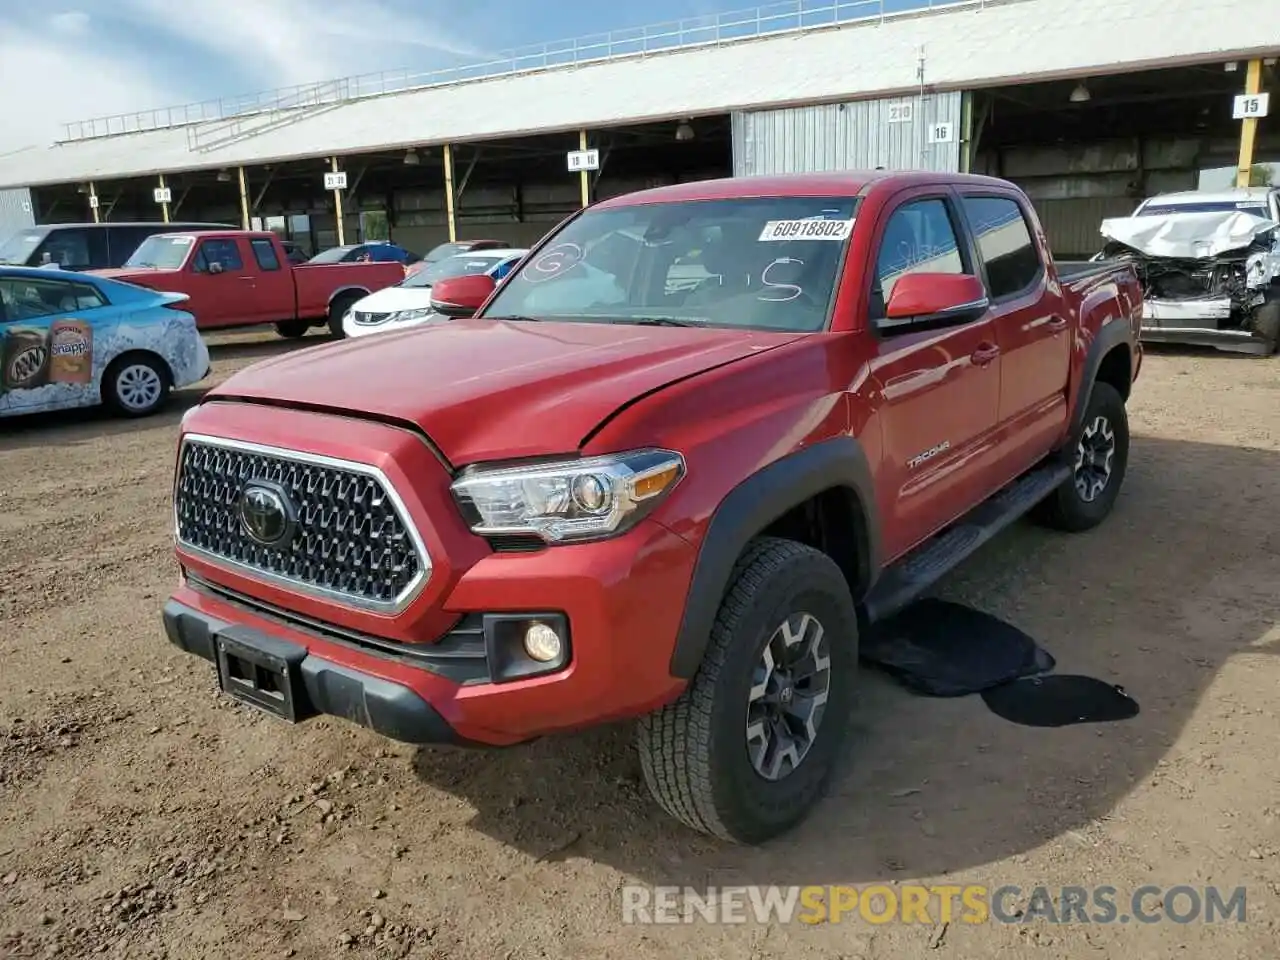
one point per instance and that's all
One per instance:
(668, 471)
(239, 277)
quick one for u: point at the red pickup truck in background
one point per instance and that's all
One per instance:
(667, 471)
(238, 277)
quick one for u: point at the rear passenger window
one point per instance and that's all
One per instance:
(265, 253)
(1005, 244)
(919, 238)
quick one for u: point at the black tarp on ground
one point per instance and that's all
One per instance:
(944, 649)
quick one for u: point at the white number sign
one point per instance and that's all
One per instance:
(162, 195)
(580, 160)
(900, 113)
(1251, 105)
(336, 180)
(941, 133)
(93, 202)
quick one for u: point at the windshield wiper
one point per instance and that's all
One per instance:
(664, 321)
(516, 317)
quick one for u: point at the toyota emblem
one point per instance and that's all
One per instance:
(267, 513)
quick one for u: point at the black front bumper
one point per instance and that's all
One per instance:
(319, 686)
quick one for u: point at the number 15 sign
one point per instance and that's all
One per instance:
(1250, 106)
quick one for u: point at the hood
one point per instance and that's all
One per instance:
(1188, 236)
(144, 276)
(486, 389)
(391, 299)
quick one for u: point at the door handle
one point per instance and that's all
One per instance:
(1057, 324)
(985, 353)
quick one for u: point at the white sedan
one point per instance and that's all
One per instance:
(408, 303)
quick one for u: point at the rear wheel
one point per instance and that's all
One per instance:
(338, 309)
(293, 329)
(749, 747)
(1101, 455)
(136, 384)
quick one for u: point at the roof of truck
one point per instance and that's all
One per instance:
(845, 183)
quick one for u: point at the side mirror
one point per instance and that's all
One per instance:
(215, 267)
(934, 299)
(461, 297)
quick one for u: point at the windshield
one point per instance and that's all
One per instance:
(764, 263)
(164, 252)
(460, 266)
(1257, 208)
(446, 250)
(18, 248)
(333, 255)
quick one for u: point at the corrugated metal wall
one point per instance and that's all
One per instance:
(895, 133)
(1071, 226)
(16, 211)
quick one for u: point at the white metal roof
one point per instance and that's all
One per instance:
(969, 45)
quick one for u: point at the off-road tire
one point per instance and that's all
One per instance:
(294, 329)
(338, 309)
(1266, 324)
(129, 381)
(694, 751)
(1066, 508)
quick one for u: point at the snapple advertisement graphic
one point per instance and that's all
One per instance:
(35, 357)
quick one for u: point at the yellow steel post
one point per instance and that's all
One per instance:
(244, 201)
(93, 201)
(1249, 125)
(164, 207)
(584, 175)
(448, 193)
(337, 207)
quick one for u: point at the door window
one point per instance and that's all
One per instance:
(1005, 245)
(32, 298)
(69, 249)
(223, 252)
(265, 253)
(919, 238)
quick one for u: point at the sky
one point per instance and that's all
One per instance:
(64, 61)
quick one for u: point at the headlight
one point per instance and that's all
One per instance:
(403, 315)
(570, 500)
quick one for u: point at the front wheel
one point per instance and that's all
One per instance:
(1101, 455)
(337, 310)
(293, 329)
(1266, 324)
(136, 384)
(749, 747)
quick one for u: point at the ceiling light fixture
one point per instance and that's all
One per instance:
(1081, 93)
(411, 158)
(224, 176)
(684, 131)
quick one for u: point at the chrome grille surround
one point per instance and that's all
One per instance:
(356, 544)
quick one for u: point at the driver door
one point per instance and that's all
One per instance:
(938, 389)
(221, 287)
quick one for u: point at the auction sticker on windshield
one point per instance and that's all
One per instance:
(806, 230)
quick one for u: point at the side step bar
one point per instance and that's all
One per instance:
(904, 582)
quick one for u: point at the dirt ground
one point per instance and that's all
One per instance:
(141, 815)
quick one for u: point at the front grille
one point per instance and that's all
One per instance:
(352, 540)
(369, 319)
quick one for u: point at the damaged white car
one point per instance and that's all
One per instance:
(1209, 265)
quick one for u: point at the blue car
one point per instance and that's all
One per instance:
(76, 340)
(379, 251)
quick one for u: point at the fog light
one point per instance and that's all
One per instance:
(541, 643)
